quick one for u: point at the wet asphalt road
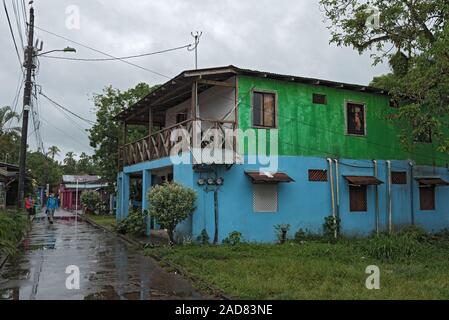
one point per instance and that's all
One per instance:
(109, 269)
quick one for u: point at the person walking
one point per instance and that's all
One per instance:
(29, 205)
(52, 205)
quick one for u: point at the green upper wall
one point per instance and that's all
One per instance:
(309, 129)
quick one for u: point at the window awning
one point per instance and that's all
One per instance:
(432, 182)
(258, 177)
(363, 181)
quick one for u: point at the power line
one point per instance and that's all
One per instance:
(66, 109)
(119, 58)
(103, 53)
(12, 34)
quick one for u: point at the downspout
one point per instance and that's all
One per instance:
(412, 200)
(376, 174)
(337, 182)
(390, 207)
(331, 174)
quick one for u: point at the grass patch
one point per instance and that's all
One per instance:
(107, 221)
(317, 270)
(13, 225)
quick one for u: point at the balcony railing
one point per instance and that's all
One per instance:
(160, 144)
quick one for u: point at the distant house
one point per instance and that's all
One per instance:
(9, 177)
(71, 184)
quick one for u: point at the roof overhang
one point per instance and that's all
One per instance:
(179, 89)
(431, 182)
(358, 181)
(258, 177)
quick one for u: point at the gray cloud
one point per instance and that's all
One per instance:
(284, 36)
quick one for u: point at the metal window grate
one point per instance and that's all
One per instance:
(319, 98)
(399, 177)
(265, 197)
(358, 199)
(318, 175)
(427, 198)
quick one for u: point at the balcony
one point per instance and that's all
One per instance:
(215, 143)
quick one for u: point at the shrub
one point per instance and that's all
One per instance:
(90, 200)
(306, 235)
(203, 237)
(12, 228)
(234, 238)
(331, 227)
(392, 247)
(415, 233)
(134, 224)
(171, 203)
(281, 232)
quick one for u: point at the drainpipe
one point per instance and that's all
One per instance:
(376, 174)
(390, 217)
(331, 174)
(412, 200)
(337, 183)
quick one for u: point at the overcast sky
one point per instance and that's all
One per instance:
(283, 36)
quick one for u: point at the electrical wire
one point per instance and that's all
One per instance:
(119, 58)
(103, 53)
(12, 34)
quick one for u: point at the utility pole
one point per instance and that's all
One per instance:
(29, 54)
(197, 35)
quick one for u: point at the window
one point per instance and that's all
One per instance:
(358, 199)
(264, 110)
(399, 177)
(265, 197)
(318, 175)
(181, 116)
(355, 115)
(427, 198)
(319, 98)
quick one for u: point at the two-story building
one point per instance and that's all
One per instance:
(303, 149)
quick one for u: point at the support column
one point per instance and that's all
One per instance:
(118, 197)
(146, 185)
(125, 196)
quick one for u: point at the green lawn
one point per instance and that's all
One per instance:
(316, 270)
(108, 221)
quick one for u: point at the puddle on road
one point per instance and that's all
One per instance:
(109, 270)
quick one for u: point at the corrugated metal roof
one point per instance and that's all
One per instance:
(79, 178)
(258, 177)
(363, 180)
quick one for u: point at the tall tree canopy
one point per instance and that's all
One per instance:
(413, 36)
(107, 134)
(9, 136)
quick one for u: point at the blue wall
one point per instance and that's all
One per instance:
(304, 204)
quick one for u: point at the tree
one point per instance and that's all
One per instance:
(413, 36)
(44, 169)
(53, 151)
(107, 133)
(7, 115)
(9, 136)
(70, 163)
(171, 203)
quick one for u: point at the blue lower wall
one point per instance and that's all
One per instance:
(303, 204)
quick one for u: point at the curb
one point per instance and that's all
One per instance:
(215, 291)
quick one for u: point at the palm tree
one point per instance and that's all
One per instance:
(6, 115)
(69, 158)
(53, 151)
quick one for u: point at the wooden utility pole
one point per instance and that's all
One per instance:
(29, 55)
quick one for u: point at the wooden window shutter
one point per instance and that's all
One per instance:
(358, 199)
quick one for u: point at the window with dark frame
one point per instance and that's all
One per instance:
(319, 98)
(318, 175)
(427, 198)
(264, 110)
(358, 198)
(355, 115)
(181, 116)
(398, 177)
